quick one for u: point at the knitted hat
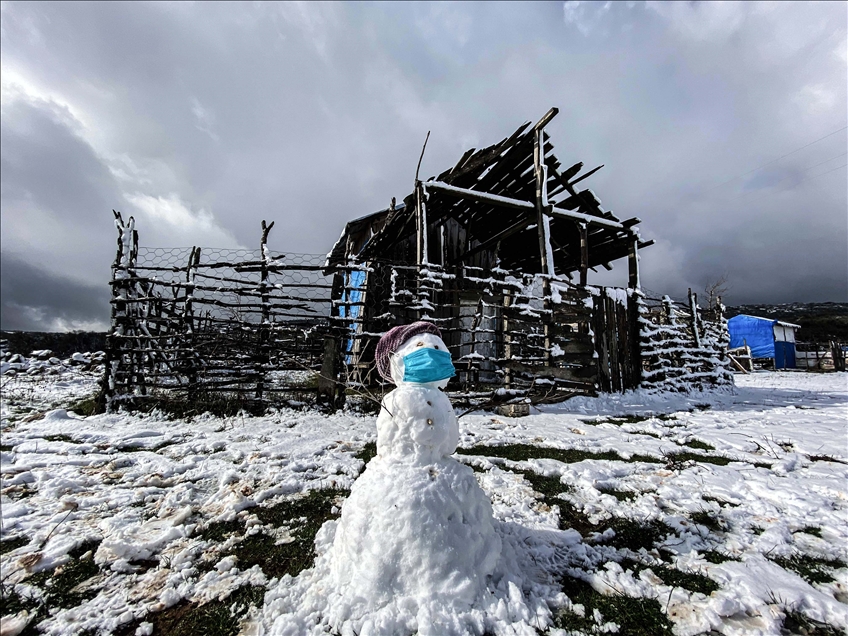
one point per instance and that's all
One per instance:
(392, 341)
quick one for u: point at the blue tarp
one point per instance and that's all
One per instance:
(757, 333)
(784, 355)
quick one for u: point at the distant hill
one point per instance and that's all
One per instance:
(820, 322)
(61, 344)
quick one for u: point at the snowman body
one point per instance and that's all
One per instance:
(416, 532)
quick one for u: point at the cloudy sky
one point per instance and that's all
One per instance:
(722, 126)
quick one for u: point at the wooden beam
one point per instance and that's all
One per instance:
(586, 176)
(516, 204)
(546, 119)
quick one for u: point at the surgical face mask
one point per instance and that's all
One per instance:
(427, 365)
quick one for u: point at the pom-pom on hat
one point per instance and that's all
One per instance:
(394, 338)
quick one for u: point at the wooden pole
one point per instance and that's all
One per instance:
(507, 338)
(188, 322)
(421, 222)
(633, 263)
(264, 357)
(543, 221)
(584, 254)
(693, 308)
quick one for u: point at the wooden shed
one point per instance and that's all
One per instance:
(496, 250)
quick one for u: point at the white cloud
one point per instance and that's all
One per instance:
(816, 98)
(584, 15)
(168, 221)
(703, 21)
(205, 118)
(314, 20)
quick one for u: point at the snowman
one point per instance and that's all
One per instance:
(415, 540)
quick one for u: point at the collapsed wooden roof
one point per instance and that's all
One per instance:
(491, 193)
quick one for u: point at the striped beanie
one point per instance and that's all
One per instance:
(394, 338)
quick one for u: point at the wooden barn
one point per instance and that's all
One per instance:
(496, 251)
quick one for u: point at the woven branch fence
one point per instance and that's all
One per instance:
(250, 329)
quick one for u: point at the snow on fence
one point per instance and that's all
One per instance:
(683, 348)
(256, 328)
(196, 324)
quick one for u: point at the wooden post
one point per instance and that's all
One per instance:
(421, 222)
(113, 355)
(584, 254)
(264, 357)
(507, 338)
(633, 262)
(188, 322)
(543, 222)
(693, 308)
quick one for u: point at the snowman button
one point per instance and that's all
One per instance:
(429, 422)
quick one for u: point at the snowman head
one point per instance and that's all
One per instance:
(414, 354)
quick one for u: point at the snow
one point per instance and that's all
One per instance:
(144, 487)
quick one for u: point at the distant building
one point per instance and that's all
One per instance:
(766, 337)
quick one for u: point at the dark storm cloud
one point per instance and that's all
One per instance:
(203, 119)
(34, 300)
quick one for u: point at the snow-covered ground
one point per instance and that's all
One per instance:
(717, 512)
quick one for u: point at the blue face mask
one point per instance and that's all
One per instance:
(427, 365)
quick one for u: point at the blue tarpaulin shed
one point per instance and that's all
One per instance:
(767, 338)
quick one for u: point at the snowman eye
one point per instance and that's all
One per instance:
(437, 346)
(419, 344)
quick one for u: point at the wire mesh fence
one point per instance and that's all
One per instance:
(252, 328)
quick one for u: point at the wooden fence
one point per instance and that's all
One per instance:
(197, 324)
(256, 328)
(683, 348)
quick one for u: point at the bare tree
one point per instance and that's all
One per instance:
(716, 290)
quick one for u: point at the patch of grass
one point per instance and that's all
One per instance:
(714, 556)
(523, 452)
(86, 406)
(628, 533)
(690, 581)
(220, 530)
(216, 618)
(811, 569)
(703, 407)
(647, 433)
(619, 420)
(826, 458)
(550, 487)
(65, 578)
(677, 460)
(720, 502)
(634, 616)
(6, 448)
(796, 623)
(708, 520)
(813, 530)
(621, 495)
(696, 443)
(58, 588)
(304, 517)
(59, 438)
(7, 545)
(368, 452)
